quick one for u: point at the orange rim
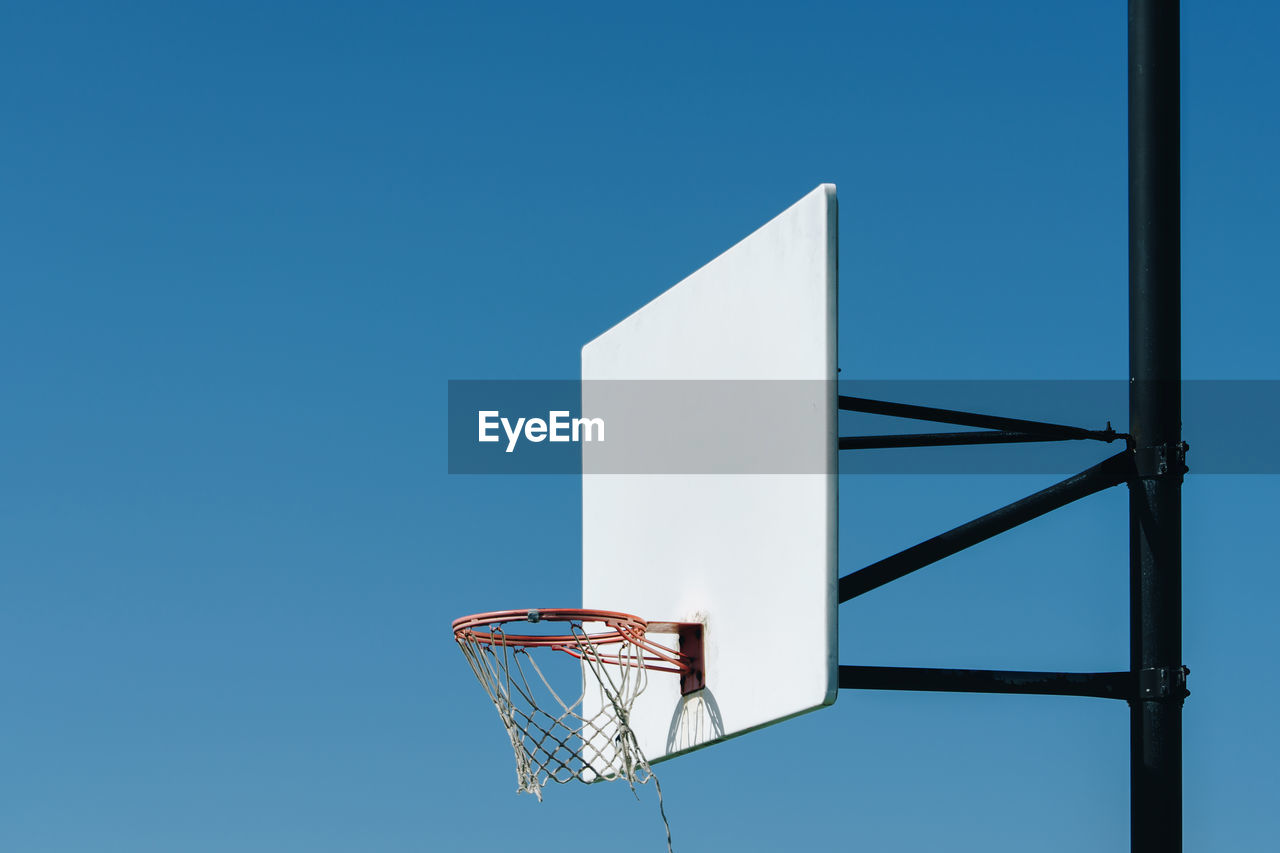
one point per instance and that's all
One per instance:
(620, 628)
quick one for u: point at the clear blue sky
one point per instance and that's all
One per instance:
(243, 247)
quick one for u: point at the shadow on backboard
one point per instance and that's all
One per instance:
(696, 721)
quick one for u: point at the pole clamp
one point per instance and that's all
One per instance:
(1159, 683)
(1161, 460)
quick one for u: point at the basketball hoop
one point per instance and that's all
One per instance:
(552, 739)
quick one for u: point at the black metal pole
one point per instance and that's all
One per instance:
(1155, 367)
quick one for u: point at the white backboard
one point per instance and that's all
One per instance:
(715, 500)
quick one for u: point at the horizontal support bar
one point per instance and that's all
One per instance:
(951, 416)
(1102, 685)
(1110, 472)
(939, 439)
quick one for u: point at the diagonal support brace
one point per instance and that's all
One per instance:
(1110, 472)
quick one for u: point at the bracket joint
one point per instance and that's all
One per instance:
(1161, 683)
(1161, 460)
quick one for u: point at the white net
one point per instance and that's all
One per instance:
(552, 739)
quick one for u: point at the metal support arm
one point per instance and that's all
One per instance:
(939, 439)
(1052, 432)
(1102, 685)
